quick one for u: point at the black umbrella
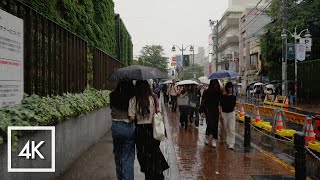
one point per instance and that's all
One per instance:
(136, 72)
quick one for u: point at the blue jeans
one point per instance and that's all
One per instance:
(123, 135)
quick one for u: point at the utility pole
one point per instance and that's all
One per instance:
(193, 73)
(217, 48)
(284, 9)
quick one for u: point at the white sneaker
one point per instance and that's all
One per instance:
(206, 141)
(214, 143)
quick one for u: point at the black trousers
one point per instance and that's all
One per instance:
(174, 100)
(212, 119)
(184, 112)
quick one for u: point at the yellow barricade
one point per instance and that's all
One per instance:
(295, 117)
(266, 111)
(249, 108)
(269, 99)
(281, 101)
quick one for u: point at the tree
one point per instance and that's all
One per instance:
(187, 71)
(152, 56)
(302, 14)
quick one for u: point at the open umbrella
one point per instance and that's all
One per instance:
(185, 82)
(136, 72)
(223, 74)
(204, 80)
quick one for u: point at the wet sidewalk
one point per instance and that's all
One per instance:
(199, 161)
(187, 155)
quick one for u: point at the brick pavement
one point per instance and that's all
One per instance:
(199, 161)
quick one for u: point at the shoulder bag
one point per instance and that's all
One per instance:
(158, 126)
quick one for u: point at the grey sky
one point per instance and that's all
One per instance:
(168, 22)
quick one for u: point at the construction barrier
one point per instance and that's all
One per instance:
(310, 135)
(295, 117)
(258, 122)
(279, 126)
(267, 111)
(249, 108)
(317, 125)
(282, 101)
(269, 99)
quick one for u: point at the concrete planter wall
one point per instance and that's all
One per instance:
(73, 137)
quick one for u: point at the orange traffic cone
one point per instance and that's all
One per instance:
(286, 103)
(258, 118)
(276, 101)
(309, 131)
(242, 113)
(279, 125)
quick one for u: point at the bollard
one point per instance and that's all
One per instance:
(299, 156)
(247, 134)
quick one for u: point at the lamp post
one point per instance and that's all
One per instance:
(296, 36)
(184, 49)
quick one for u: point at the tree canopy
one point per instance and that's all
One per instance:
(153, 56)
(188, 74)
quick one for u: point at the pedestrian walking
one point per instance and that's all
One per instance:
(194, 98)
(173, 92)
(164, 89)
(123, 130)
(211, 105)
(142, 109)
(183, 103)
(228, 103)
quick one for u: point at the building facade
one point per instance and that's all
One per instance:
(251, 63)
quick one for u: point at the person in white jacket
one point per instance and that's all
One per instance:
(183, 103)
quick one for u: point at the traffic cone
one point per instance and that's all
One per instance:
(276, 101)
(309, 131)
(286, 103)
(242, 113)
(279, 125)
(258, 118)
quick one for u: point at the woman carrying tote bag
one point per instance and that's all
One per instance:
(142, 109)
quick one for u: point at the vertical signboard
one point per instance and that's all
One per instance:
(173, 61)
(11, 59)
(179, 61)
(301, 52)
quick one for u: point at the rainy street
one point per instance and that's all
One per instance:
(190, 158)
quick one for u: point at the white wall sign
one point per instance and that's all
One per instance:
(301, 52)
(11, 59)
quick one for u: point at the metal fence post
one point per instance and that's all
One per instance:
(247, 134)
(299, 156)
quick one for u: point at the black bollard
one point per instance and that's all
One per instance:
(247, 134)
(299, 156)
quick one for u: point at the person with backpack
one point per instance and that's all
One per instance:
(194, 98)
(173, 93)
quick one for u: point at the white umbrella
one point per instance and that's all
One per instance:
(258, 84)
(185, 82)
(167, 82)
(204, 80)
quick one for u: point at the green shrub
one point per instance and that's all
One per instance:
(44, 111)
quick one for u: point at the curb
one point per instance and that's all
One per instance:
(172, 160)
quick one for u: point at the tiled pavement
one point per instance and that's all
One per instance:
(199, 161)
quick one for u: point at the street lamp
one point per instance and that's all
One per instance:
(296, 36)
(184, 49)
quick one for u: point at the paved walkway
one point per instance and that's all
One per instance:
(187, 155)
(199, 161)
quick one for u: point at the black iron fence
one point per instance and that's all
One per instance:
(55, 59)
(103, 66)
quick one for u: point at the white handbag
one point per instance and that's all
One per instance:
(158, 127)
